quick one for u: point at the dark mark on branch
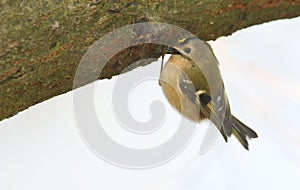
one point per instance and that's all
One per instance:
(18, 74)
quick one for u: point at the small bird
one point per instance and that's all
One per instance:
(192, 83)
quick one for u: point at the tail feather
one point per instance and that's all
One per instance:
(248, 131)
(242, 132)
(241, 138)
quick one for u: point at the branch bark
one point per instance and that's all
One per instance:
(42, 42)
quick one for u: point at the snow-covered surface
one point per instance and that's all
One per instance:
(41, 147)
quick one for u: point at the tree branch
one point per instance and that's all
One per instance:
(42, 42)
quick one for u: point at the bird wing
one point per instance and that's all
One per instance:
(218, 111)
(187, 87)
(221, 109)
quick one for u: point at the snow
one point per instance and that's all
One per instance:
(41, 148)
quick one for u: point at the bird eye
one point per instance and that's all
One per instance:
(187, 50)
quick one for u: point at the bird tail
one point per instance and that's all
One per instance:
(242, 132)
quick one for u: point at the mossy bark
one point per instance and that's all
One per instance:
(42, 42)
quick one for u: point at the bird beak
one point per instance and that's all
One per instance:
(172, 51)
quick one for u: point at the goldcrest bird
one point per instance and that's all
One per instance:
(192, 83)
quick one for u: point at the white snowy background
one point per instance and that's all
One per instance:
(41, 147)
